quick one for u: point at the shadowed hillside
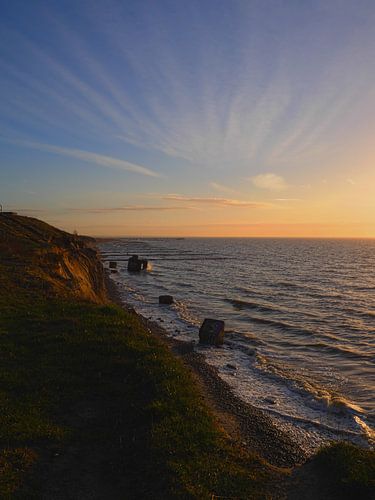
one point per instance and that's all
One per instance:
(95, 406)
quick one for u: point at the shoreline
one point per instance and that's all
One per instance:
(265, 358)
(245, 424)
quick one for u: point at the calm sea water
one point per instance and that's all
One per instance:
(300, 322)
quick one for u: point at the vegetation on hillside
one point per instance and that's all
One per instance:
(95, 406)
(86, 390)
(347, 471)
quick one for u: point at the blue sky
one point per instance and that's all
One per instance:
(118, 117)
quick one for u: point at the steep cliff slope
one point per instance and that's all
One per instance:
(60, 262)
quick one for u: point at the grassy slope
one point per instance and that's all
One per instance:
(89, 395)
(346, 472)
(93, 406)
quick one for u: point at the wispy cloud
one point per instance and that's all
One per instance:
(193, 125)
(101, 210)
(128, 208)
(288, 199)
(224, 202)
(88, 156)
(271, 182)
(220, 187)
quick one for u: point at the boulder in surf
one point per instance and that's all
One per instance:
(212, 332)
(135, 264)
(166, 299)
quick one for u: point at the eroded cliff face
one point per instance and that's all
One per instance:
(74, 269)
(60, 262)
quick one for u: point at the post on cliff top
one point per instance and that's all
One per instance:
(4, 212)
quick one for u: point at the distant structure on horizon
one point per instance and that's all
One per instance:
(3, 212)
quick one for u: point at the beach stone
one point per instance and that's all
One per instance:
(271, 400)
(232, 367)
(166, 299)
(212, 332)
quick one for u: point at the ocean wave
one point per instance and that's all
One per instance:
(283, 325)
(340, 350)
(286, 284)
(241, 337)
(185, 285)
(184, 313)
(363, 430)
(249, 351)
(315, 396)
(360, 312)
(243, 304)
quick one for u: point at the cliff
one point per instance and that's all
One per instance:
(61, 263)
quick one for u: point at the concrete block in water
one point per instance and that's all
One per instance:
(135, 264)
(212, 332)
(166, 299)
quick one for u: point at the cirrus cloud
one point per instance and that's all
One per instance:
(224, 202)
(220, 187)
(87, 156)
(269, 181)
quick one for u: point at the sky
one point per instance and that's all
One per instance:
(190, 118)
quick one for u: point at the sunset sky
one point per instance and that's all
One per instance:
(190, 118)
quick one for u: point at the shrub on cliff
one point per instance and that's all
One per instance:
(348, 471)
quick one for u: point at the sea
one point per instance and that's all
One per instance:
(299, 322)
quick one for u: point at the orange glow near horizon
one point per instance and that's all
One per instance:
(343, 208)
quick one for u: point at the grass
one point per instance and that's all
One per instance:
(84, 387)
(95, 406)
(347, 471)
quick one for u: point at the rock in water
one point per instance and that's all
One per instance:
(166, 299)
(212, 332)
(135, 264)
(112, 264)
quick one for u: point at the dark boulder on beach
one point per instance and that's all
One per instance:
(166, 299)
(212, 332)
